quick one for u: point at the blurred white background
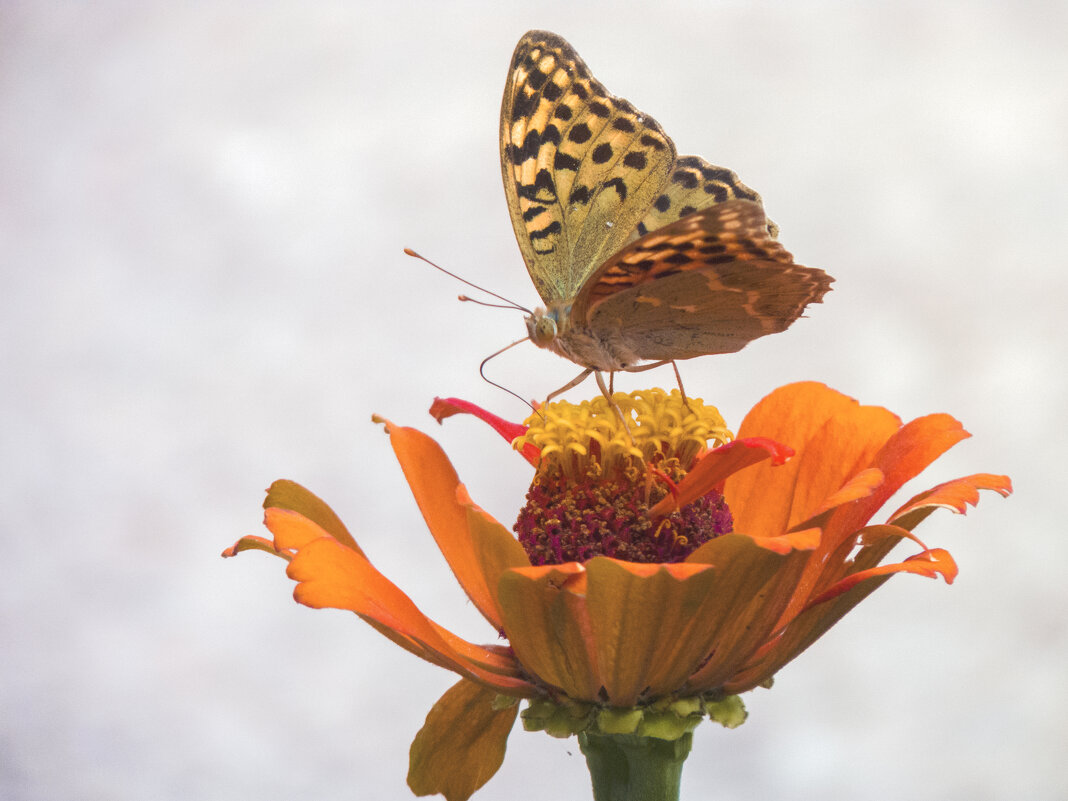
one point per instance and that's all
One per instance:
(202, 211)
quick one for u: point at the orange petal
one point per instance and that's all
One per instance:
(834, 437)
(904, 456)
(954, 495)
(462, 743)
(715, 466)
(546, 623)
(331, 575)
(434, 484)
(801, 630)
(285, 494)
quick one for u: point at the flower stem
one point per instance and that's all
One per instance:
(627, 767)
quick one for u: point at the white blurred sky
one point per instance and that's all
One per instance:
(202, 210)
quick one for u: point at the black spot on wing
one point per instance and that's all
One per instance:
(599, 109)
(602, 153)
(523, 105)
(718, 191)
(684, 178)
(579, 133)
(580, 194)
(548, 230)
(619, 186)
(562, 161)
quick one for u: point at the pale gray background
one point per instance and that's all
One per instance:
(202, 210)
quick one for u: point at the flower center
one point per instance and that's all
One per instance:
(596, 480)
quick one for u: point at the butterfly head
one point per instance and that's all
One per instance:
(542, 328)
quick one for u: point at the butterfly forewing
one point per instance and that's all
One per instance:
(708, 283)
(580, 166)
(694, 185)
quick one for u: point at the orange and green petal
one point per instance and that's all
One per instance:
(461, 744)
(496, 550)
(646, 623)
(439, 493)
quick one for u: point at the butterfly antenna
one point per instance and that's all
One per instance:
(511, 303)
(477, 302)
(482, 372)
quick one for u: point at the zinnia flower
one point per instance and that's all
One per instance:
(660, 569)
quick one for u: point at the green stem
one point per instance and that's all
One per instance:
(626, 767)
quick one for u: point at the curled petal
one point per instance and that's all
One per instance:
(252, 543)
(714, 467)
(462, 743)
(930, 563)
(285, 494)
(954, 495)
(447, 407)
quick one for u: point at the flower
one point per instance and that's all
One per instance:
(740, 553)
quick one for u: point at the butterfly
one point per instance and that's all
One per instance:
(638, 254)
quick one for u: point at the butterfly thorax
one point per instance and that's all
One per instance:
(602, 349)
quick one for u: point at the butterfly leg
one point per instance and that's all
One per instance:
(682, 390)
(574, 382)
(678, 376)
(608, 394)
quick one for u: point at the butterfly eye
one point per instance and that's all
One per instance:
(541, 329)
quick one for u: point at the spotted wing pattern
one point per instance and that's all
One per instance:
(581, 167)
(694, 185)
(708, 283)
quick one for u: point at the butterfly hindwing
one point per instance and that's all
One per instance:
(708, 283)
(581, 167)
